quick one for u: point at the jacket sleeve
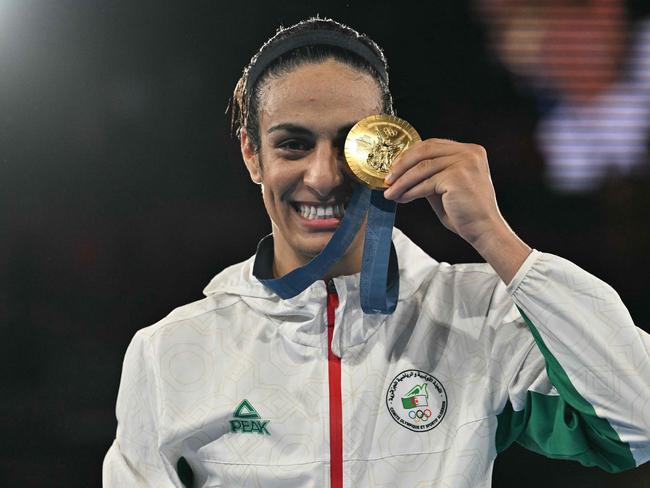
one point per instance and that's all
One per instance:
(582, 391)
(135, 458)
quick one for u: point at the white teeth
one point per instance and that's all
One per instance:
(312, 212)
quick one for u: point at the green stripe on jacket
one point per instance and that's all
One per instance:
(564, 426)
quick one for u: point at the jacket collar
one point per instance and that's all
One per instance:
(302, 316)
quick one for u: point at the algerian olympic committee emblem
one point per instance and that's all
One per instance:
(416, 400)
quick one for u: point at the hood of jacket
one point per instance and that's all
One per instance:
(303, 317)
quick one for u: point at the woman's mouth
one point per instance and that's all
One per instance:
(319, 217)
(319, 212)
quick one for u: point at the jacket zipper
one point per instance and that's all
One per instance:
(334, 378)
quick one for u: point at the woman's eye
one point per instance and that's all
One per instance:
(293, 145)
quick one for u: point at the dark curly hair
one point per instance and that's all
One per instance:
(245, 103)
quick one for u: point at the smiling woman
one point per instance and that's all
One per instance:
(308, 389)
(304, 117)
(296, 102)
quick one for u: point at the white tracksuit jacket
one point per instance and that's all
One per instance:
(238, 386)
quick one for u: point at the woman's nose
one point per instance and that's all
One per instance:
(325, 170)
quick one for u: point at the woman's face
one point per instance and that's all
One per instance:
(304, 118)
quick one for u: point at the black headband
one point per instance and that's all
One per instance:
(314, 38)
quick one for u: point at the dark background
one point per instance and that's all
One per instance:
(122, 194)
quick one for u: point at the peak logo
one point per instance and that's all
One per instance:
(246, 420)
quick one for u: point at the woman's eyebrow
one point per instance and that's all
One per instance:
(298, 129)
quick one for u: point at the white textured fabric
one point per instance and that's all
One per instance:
(586, 319)
(184, 377)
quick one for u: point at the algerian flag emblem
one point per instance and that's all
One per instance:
(416, 397)
(416, 400)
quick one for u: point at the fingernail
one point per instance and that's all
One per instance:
(388, 193)
(389, 178)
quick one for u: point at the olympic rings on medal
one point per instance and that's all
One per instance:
(420, 414)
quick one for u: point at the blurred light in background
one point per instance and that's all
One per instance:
(589, 68)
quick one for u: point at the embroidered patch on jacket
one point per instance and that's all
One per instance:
(416, 400)
(247, 421)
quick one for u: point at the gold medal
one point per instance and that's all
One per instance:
(372, 145)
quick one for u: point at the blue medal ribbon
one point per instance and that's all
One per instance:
(377, 294)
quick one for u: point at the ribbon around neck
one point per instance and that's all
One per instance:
(377, 294)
